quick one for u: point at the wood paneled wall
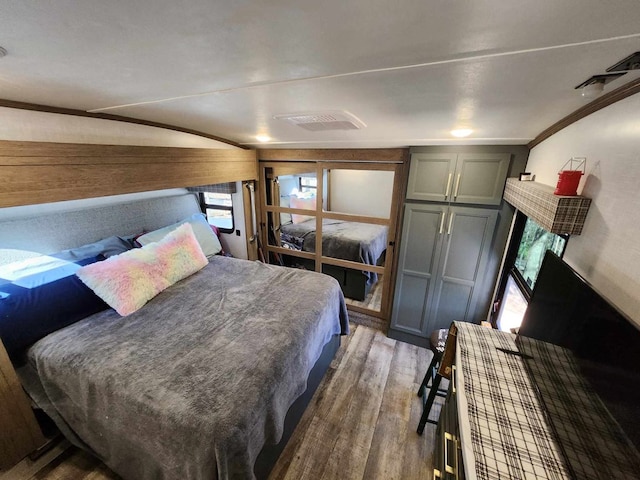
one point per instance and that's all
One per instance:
(386, 155)
(40, 172)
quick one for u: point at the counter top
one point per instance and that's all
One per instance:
(525, 411)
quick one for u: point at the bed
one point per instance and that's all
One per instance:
(206, 381)
(354, 241)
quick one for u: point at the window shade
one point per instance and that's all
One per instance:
(229, 187)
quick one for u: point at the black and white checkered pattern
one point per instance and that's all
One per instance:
(556, 214)
(509, 434)
(508, 425)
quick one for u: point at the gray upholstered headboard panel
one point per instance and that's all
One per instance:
(58, 231)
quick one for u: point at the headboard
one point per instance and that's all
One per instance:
(62, 230)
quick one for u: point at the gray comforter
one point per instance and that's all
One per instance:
(192, 385)
(358, 242)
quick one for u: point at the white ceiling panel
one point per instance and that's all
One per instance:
(408, 69)
(503, 99)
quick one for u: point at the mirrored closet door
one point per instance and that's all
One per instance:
(338, 218)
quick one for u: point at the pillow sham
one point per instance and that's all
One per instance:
(107, 247)
(41, 295)
(206, 238)
(128, 281)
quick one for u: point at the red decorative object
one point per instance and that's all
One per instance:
(568, 180)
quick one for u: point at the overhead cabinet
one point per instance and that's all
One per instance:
(472, 178)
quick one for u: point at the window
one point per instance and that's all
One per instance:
(513, 306)
(524, 259)
(218, 207)
(535, 241)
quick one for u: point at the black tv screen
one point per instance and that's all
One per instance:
(566, 311)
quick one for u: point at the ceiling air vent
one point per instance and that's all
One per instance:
(323, 121)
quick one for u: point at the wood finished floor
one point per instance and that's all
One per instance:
(360, 424)
(373, 301)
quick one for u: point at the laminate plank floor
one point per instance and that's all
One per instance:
(360, 424)
(373, 301)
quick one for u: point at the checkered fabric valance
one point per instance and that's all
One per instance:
(229, 187)
(554, 213)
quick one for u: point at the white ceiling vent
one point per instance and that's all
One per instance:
(322, 121)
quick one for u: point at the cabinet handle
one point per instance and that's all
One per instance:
(446, 193)
(457, 186)
(453, 379)
(457, 443)
(444, 214)
(450, 224)
(450, 468)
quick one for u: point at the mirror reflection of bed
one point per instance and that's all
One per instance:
(365, 196)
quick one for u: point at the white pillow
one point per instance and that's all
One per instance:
(206, 238)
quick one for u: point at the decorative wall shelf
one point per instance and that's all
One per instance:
(555, 213)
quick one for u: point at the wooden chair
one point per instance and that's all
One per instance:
(442, 344)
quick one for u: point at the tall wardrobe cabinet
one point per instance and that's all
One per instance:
(450, 217)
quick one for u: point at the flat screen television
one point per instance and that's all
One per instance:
(566, 311)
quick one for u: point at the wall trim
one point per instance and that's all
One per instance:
(385, 155)
(35, 107)
(599, 103)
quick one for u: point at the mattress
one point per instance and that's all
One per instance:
(192, 385)
(354, 241)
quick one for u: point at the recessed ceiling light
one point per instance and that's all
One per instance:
(263, 138)
(461, 132)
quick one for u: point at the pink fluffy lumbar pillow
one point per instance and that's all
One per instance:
(129, 280)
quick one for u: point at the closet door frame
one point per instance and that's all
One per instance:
(395, 160)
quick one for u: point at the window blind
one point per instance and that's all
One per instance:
(229, 187)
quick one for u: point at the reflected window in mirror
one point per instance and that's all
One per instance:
(309, 185)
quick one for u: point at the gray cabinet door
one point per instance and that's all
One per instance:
(463, 259)
(431, 176)
(480, 178)
(422, 233)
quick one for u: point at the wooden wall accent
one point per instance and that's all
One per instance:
(387, 155)
(40, 172)
(20, 432)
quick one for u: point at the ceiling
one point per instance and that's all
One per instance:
(410, 70)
